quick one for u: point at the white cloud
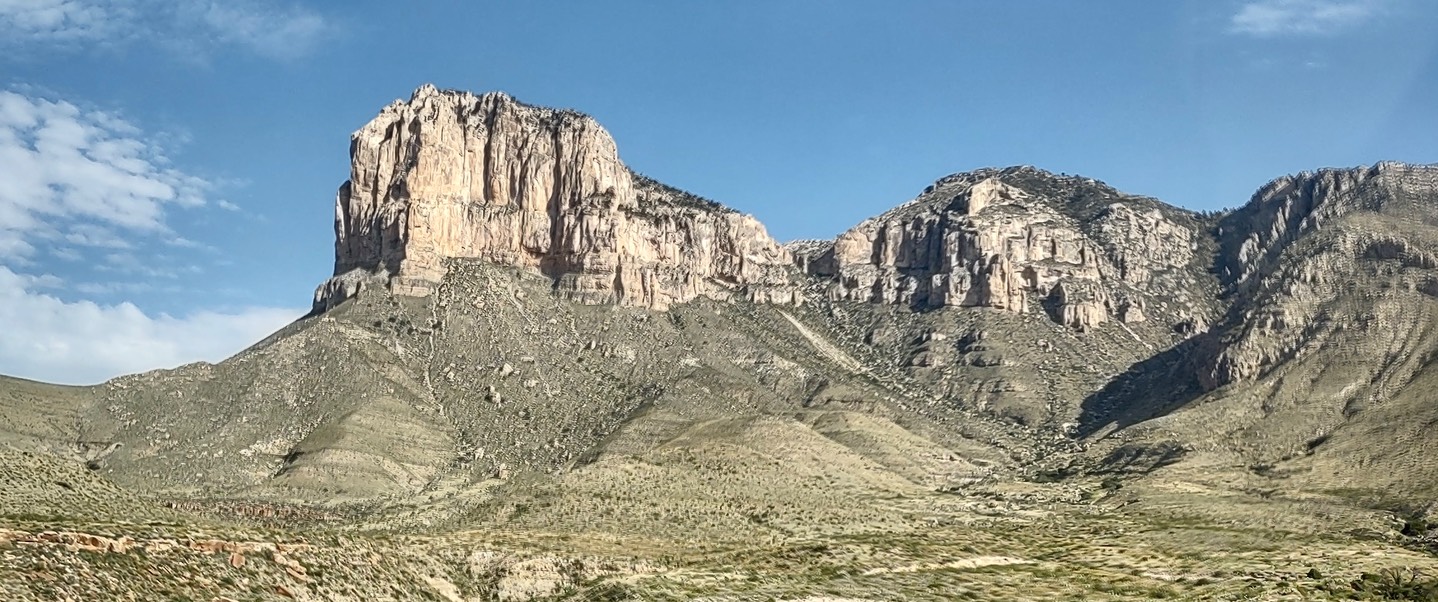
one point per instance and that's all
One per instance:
(73, 179)
(266, 27)
(1271, 18)
(83, 342)
(85, 177)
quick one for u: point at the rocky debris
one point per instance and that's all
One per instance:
(520, 580)
(455, 175)
(1080, 304)
(261, 511)
(344, 286)
(78, 541)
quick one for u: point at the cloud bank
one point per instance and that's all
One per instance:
(74, 178)
(84, 342)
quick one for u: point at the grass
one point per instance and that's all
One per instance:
(1070, 553)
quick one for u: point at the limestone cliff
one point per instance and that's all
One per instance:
(452, 175)
(1025, 240)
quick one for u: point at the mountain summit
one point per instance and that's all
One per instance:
(450, 175)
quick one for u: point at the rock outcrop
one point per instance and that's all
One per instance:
(451, 175)
(1021, 240)
(1317, 253)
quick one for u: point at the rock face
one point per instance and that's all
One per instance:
(451, 175)
(1316, 253)
(1020, 240)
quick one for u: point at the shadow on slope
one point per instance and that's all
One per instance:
(1156, 386)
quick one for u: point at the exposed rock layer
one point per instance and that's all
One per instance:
(455, 175)
(451, 175)
(1318, 252)
(1021, 240)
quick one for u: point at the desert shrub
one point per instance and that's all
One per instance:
(1396, 584)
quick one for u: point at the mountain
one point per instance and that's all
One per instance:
(1315, 374)
(612, 385)
(457, 176)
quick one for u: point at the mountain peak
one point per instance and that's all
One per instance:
(452, 176)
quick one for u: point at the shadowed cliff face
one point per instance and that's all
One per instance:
(1315, 253)
(1318, 368)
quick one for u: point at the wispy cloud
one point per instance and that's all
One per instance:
(268, 28)
(272, 31)
(91, 235)
(1274, 18)
(83, 342)
(62, 21)
(82, 177)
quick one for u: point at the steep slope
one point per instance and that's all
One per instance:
(1072, 283)
(1316, 375)
(488, 376)
(511, 299)
(36, 415)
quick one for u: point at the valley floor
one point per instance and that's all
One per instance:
(1014, 541)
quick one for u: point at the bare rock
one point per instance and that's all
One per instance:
(1006, 239)
(451, 175)
(1319, 253)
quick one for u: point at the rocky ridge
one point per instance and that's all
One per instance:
(1025, 240)
(1304, 241)
(1099, 309)
(453, 175)
(1144, 289)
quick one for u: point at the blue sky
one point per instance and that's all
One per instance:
(168, 167)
